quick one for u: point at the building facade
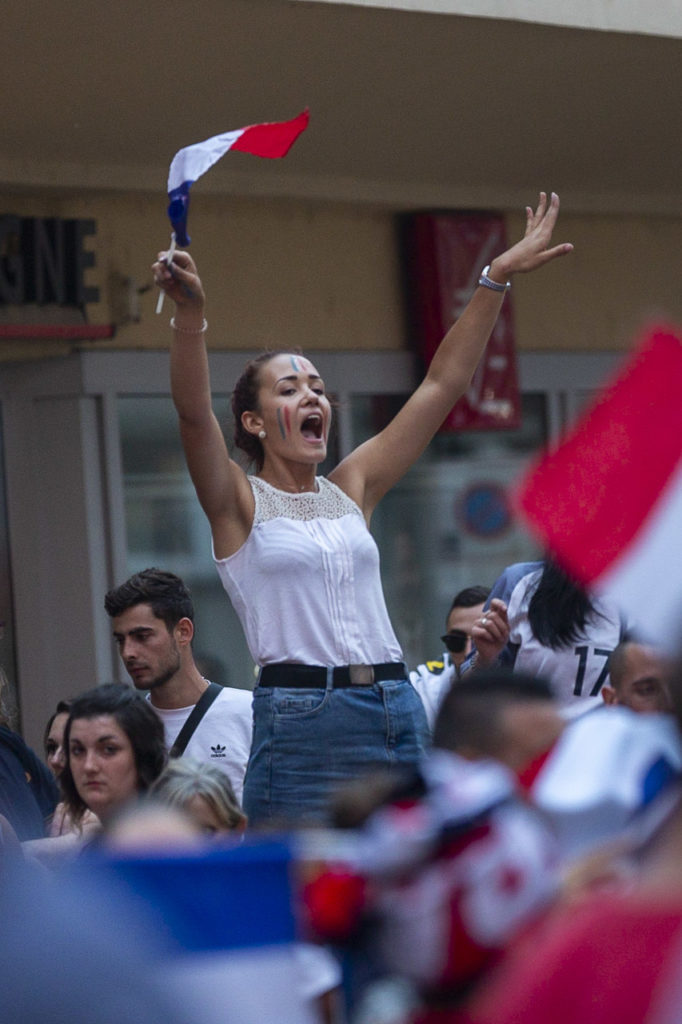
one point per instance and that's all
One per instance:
(414, 107)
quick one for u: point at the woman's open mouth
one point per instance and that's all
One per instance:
(311, 428)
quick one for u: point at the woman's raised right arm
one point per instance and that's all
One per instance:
(220, 484)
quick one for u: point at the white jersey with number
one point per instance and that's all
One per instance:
(576, 672)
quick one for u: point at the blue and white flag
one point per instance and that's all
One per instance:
(224, 928)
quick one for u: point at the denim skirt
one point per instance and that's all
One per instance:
(308, 742)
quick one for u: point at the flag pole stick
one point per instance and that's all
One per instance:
(169, 260)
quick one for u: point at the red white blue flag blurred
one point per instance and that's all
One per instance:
(273, 139)
(222, 928)
(608, 501)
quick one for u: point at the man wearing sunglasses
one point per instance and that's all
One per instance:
(432, 680)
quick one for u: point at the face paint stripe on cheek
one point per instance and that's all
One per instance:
(280, 424)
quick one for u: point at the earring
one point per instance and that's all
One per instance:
(262, 435)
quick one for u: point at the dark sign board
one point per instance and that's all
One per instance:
(43, 260)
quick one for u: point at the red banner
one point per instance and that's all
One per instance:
(446, 253)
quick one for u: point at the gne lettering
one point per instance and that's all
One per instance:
(44, 260)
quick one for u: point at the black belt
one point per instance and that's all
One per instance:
(314, 677)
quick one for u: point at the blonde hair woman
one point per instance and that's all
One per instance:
(204, 792)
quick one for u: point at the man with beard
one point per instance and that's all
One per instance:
(153, 626)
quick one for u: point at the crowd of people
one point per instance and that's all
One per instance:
(464, 829)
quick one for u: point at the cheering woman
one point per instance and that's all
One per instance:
(293, 549)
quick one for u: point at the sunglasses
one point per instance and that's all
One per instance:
(455, 641)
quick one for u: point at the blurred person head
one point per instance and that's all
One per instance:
(147, 826)
(153, 624)
(509, 716)
(353, 803)
(204, 792)
(466, 607)
(638, 679)
(115, 749)
(53, 738)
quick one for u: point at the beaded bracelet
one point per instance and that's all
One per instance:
(189, 330)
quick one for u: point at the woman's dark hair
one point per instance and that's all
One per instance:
(63, 708)
(559, 609)
(245, 399)
(138, 720)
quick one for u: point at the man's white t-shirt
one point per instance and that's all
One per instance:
(222, 737)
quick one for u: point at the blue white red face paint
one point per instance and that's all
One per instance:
(300, 364)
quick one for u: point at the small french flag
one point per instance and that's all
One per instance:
(271, 140)
(608, 501)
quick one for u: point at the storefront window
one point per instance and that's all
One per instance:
(449, 522)
(166, 528)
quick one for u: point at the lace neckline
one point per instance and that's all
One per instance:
(327, 502)
(282, 490)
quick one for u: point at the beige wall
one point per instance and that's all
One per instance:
(286, 272)
(276, 272)
(620, 277)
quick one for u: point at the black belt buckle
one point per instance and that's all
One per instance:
(361, 675)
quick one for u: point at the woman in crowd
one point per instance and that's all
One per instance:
(293, 549)
(53, 742)
(204, 792)
(53, 739)
(540, 621)
(115, 749)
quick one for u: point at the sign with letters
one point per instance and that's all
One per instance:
(43, 260)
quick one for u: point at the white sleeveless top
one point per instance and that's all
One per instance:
(306, 583)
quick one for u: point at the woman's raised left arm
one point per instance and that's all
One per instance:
(375, 466)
